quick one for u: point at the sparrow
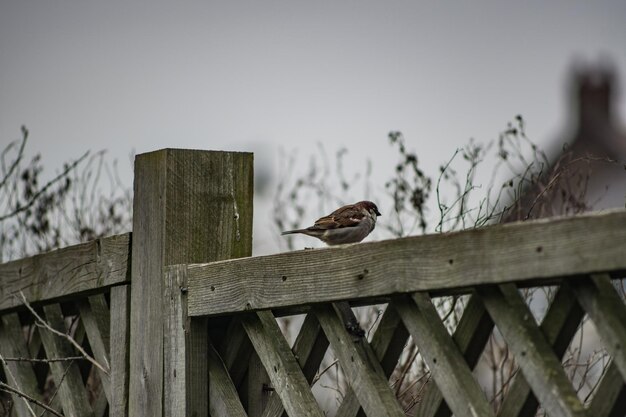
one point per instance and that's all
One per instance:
(347, 224)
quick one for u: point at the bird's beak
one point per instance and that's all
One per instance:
(378, 213)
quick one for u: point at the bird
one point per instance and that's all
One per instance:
(348, 224)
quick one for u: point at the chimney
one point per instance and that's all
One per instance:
(594, 100)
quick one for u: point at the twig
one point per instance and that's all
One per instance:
(9, 373)
(70, 358)
(7, 388)
(49, 184)
(318, 376)
(18, 158)
(63, 335)
(454, 300)
(554, 179)
(58, 387)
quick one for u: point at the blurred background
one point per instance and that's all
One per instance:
(312, 89)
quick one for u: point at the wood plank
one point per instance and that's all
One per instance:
(363, 371)
(119, 350)
(283, 370)
(72, 393)
(558, 327)
(540, 366)
(308, 349)
(68, 271)
(13, 345)
(447, 366)
(189, 206)
(387, 344)
(94, 314)
(608, 312)
(528, 252)
(185, 352)
(224, 400)
(471, 336)
(609, 399)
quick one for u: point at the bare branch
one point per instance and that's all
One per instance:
(7, 388)
(33, 360)
(18, 388)
(49, 184)
(43, 323)
(18, 158)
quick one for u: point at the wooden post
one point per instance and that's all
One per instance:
(189, 207)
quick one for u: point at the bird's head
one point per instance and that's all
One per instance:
(370, 207)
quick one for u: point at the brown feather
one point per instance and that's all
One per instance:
(346, 216)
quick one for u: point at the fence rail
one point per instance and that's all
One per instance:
(178, 328)
(526, 253)
(66, 272)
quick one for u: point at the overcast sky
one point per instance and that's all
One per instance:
(259, 76)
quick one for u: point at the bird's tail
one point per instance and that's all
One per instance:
(291, 232)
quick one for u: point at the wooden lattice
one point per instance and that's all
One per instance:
(537, 349)
(49, 368)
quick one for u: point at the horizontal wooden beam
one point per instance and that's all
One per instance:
(74, 269)
(533, 251)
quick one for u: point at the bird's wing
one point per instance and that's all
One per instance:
(346, 216)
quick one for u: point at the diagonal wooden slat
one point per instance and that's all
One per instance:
(608, 312)
(282, 367)
(609, 399)
(388, 343)
(558, 326)
(72, 392)
(542, 369)
(363, 371)
(100, 403)
(94, 314)
(447, 365)
(42, 370)
(308, 349)
(223, 398)
(471, 336)
(13, 345)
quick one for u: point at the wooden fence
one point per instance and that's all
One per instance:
(182, 328)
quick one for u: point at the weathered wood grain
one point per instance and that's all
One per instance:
(608, 312)
(119, 350)
(72, 392)
(387, 344)
(471, 336)
(559, 327)
(68, 271)
(94, 314)
(224, 400)
(308, 349)
(186, 387)
(609, 399)
(282, 368)
(446, 363)
(189, 206)
(363, 371)
(528, 251)
(541, 368)
(19, 375)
